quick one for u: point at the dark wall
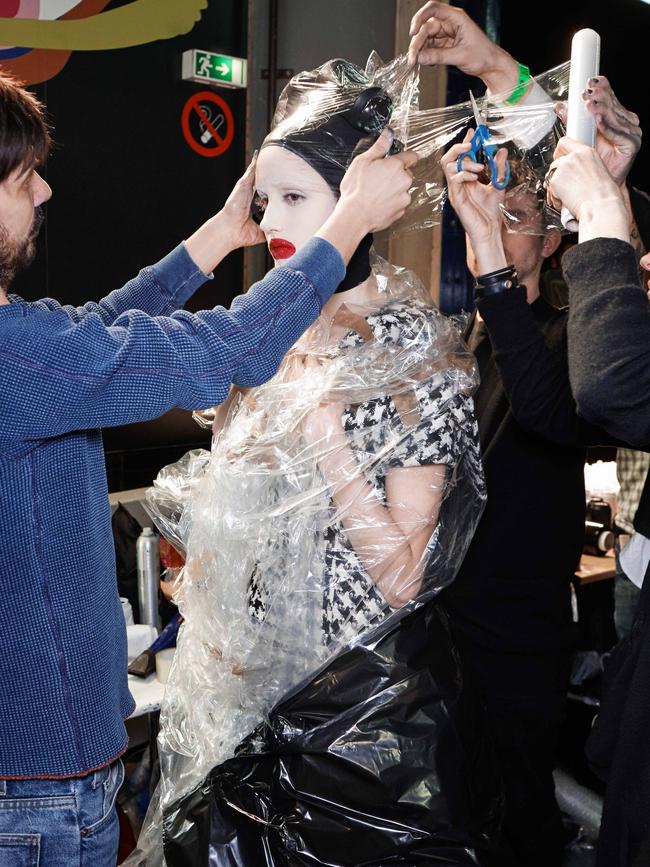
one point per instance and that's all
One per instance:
(127, 189)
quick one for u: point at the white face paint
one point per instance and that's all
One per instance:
(295, 199)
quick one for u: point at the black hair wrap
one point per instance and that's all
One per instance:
(330, 142)
(330, 146)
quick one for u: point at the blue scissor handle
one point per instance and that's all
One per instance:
(481, 142)
(490, 150)
(475, 146)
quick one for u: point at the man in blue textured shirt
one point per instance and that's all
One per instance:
(67, 372)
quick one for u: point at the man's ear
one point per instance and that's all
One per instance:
(551, 243)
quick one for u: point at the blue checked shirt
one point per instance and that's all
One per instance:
(65, 373)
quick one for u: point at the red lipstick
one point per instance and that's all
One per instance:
(281, 249)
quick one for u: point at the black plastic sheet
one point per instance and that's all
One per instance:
(379, 759)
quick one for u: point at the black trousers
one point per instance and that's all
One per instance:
(524, 696)
(532, 831)
(619, 746)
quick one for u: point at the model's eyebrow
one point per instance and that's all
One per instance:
(282, 184)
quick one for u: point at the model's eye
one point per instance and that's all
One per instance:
(293, 198)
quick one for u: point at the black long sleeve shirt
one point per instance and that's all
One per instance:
(609, 327)
(609, 363)
(511, 600)
(512, 592)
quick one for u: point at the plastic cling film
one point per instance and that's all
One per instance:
(336, 499)
(529, 130)
(330, 114)
(168, 501)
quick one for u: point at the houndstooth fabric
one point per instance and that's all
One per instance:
(381, 440)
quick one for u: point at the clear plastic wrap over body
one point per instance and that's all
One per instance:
(332, 112)
(337, 498)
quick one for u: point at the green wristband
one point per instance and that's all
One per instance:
(522, 84)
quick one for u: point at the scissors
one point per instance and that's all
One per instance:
(481, 143)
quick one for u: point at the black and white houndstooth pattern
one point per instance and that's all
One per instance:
(446, 430)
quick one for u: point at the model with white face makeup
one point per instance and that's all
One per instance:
(294, 198)
(296, 201)
(337, 499)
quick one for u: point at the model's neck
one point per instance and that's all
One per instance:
(363, 296)
(3, 296)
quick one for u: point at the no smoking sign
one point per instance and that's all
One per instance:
(208, 124)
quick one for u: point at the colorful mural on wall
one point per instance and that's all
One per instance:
(48, 31)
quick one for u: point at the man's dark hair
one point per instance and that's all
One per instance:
(24, 135)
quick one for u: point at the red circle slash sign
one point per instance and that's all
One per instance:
(199, 112)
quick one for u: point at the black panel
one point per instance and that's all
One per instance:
(127, 188)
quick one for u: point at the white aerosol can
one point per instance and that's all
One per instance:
(148, 560)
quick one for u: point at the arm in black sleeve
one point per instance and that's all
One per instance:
(609, 339)
(535, 376)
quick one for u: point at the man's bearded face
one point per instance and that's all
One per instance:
(16, 254)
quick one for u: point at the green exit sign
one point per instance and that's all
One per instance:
(216, 69)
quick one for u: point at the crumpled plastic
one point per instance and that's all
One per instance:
(337, 501)
(379, 759)
(382, 94)
(285, 570)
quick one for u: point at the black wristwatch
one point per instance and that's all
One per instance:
(496, 282)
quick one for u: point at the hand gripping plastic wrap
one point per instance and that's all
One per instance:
(529, 130)
(339, 109)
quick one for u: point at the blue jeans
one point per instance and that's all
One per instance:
(60, 823)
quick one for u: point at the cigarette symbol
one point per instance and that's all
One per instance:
(215, 118)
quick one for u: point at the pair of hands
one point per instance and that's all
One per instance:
(446, 35)
(374, 193)
(580, 178)
(443, 34)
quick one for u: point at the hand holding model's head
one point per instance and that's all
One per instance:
(324, 120)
